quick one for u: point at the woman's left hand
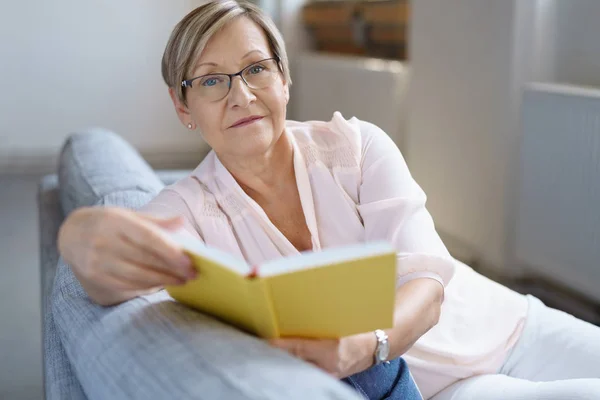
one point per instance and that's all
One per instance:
(339, 357)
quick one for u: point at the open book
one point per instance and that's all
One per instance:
(328, 294)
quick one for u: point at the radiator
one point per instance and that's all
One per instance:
(370, 89)
(558, 215)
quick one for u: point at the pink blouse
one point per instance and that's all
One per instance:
(355, 186)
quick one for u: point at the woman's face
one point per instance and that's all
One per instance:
(238, 45)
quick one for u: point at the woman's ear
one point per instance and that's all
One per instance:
(182, 111)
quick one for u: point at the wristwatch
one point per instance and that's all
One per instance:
(383, 347)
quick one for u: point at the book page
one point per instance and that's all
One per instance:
(324, 258)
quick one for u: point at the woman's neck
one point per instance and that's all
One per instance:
(266, 175)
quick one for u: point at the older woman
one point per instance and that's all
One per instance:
(272, 188)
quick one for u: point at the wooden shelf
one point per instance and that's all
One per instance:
(394, 12)
(373, 28)
(329, 13)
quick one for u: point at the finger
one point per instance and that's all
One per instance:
(294, 346)
(126, 289)
(308, 347)
(147, 236)
(322, 352)
(287, 345)
(115, 283)
(133, 254)
(314, 351)
(137, 277)
(168, 223)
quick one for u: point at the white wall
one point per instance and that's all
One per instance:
(567, 46)
(577, 52)
(70, 64)
(469, 59)
(369, 89)
(545, 38)
(297, 41)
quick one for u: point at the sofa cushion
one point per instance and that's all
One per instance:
(98, 162)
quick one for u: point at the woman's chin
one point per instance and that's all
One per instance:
(251, 140)
(252, 143)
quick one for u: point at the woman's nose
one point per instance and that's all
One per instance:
(239, 93)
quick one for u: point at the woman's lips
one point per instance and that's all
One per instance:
(246, 121)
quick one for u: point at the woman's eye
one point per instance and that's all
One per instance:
(256, 69)
(210, 81)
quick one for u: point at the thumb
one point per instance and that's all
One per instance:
(165, 222)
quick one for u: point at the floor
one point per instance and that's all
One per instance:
(20, 326)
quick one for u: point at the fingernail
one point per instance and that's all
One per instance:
(185, 261)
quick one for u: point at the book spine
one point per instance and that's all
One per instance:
(261, 306)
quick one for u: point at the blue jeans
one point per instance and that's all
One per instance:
(386, 381)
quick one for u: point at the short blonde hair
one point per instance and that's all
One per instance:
(192, 33)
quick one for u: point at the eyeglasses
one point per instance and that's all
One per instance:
(214, 87)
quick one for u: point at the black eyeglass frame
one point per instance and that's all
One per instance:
(188, 82)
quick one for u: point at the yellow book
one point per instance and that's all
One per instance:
(328, 294)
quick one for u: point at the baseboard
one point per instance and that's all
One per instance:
(28, 163)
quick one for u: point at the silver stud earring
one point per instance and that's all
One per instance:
(189, 126)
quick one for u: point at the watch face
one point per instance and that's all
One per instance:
(383, 351)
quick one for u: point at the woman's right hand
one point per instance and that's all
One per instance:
(118, 254)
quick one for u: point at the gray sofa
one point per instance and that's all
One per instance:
(151, 347)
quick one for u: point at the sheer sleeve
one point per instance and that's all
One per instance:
(170, 203)
(392, 206)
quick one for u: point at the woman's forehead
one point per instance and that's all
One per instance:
(235, 44)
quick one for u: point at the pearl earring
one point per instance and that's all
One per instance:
(189, 126)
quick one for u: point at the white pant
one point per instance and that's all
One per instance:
(557, 357)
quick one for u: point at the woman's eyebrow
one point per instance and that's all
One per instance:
(204, 64)
(212, 64)
(253, 51)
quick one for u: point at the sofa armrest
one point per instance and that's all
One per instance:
(50, 217)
